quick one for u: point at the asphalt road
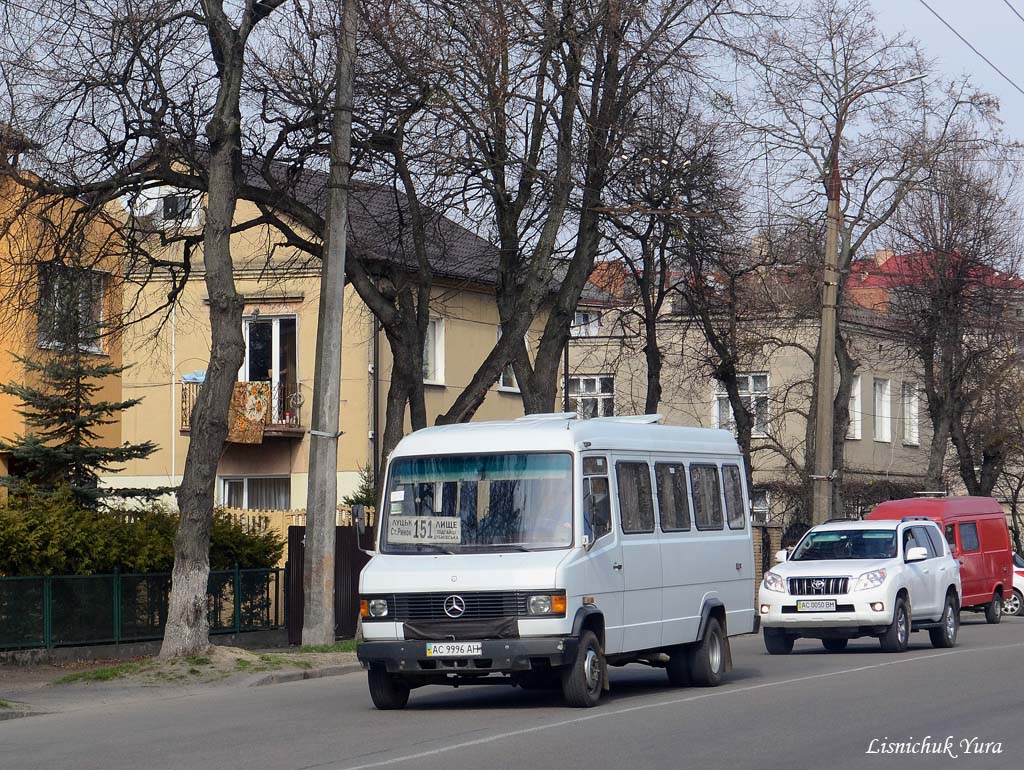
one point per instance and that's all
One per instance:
(810, 709)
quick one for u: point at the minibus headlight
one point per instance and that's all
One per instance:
(378, 608)
(546, 604)
(872, 579)
(773, 582)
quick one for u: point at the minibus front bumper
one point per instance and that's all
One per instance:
(496, 656)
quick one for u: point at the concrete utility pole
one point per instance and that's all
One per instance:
(825, 384)
(322, 486)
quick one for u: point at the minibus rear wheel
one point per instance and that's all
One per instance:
(387, 691)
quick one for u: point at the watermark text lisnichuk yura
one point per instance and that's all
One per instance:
(948, 746)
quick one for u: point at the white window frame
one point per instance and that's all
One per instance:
(854, 430)
(437, 324)
(222, 491)
(602, 398)
(585, 323)
(275, 351)
(911, 408)
(881, 398)
(760, 514)
(503, 384)
(720, 401)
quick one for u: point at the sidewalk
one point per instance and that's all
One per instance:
(48, 688)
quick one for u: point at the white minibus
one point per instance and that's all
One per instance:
(540, 551)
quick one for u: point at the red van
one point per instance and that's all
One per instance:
(977, 534)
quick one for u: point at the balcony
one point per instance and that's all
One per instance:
(283, 421)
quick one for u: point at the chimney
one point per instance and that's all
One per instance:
(883, 255)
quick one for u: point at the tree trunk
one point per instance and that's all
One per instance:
(318, 620)
(187, 630)
(841, 419)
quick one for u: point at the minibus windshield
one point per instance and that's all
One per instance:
(478, 503)
(846, 544)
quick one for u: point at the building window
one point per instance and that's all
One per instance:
(883, 413)
(70, 308)
(853, 430)
(433, 352)
(586, 323)
(507, 378)
(594, 396)
(176, 208)
(271, 355)
(911, 429)
(760, 506)
(257, 493)
(753, 389)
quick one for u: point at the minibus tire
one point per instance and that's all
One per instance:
(678, 668)
(707, 657)
(994, 610)
(579, 689)
(387, 691)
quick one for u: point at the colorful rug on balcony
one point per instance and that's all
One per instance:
(247, 416)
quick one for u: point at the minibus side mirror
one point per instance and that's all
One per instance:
(359, 518)
(781, 556)
(917, 553)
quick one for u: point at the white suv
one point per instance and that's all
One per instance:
(848, 578)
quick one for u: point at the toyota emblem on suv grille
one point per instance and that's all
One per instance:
(818, 584)
(454, 606)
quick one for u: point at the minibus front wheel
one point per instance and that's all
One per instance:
(387, 691)
(583, 679)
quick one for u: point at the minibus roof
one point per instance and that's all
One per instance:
(564, 432)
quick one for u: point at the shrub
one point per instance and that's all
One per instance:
(55, 535)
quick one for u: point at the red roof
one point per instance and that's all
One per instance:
(912, 269)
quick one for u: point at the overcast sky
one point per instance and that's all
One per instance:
(989, 25)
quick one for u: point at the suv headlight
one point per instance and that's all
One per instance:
(773, 581)
(872, 579)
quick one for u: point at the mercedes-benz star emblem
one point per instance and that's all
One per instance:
(454, 606)
(818, 585)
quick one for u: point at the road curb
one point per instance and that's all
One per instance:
(298, 676)
(6, 714)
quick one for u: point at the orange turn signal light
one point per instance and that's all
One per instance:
(364, 608)
(558, 604)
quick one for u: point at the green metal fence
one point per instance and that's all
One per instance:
(64, 610)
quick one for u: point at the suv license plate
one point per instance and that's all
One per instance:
(816, 605)
(453, 649)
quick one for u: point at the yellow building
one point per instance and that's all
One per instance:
(168, 351)
(58, 263)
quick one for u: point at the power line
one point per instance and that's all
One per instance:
(1015, 11)
(966, 42)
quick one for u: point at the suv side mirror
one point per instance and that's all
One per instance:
(917, 553)
(781, 556)
(359, 517)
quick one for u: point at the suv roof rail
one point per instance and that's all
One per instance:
(915, 518)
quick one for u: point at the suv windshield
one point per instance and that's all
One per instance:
(473, 503)
(846, 544)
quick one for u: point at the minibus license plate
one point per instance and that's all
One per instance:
(816, 605)
(453, 649)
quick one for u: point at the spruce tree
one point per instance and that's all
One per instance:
(63, 418)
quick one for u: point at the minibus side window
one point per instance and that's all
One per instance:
(707, 496)
(636, 506)
(673, 500)
(951, 537)
(597, 508)
(733, 496)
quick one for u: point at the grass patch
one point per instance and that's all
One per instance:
(346, 645)
(241, 664)
(104, 674)
(194, 671)
(198, 660)
(5, 704)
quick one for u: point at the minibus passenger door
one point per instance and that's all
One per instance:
(603, 576)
